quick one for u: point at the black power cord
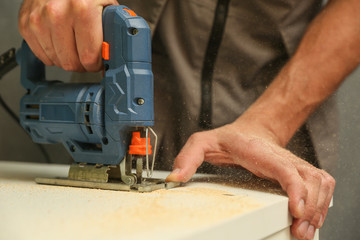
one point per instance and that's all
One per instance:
(7, 63)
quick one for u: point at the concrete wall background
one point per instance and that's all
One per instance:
(344, 217)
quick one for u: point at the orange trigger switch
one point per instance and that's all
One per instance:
(105, 51)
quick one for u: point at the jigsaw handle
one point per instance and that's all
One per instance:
(127, 36)
(32, 69)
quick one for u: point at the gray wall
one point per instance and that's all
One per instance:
(344, 217)
(14, 142)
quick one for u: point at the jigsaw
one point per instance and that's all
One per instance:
(105, 127)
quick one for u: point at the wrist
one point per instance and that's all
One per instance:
(257, 125)
(283, 107)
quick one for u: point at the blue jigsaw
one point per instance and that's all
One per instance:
(103, 126)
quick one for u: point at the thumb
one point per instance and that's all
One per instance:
(190, 157)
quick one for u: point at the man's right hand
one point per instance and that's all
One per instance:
(65, 33)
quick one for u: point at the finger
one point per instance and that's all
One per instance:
(63, 39)
(274, 162)
(88, 43)
(24, 29)
(313, 206)
(324, 192)
(38, 51)
(190, 157)
(320, 185)
(331, 182)
(299, 229)
(40, 24)
(304, 228)
(296, 190)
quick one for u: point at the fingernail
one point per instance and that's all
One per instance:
(173, 175)
(303, 229)
(310, 232)
(301, 208)
(321, 221)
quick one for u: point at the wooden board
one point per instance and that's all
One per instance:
(208, 207)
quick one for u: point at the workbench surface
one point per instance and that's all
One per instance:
(208, 207)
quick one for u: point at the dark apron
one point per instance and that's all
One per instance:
(259, 38)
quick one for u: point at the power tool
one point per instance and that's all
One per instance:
(105, 127)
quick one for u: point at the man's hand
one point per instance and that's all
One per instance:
(309, 189)
(328, 52)
(65, 33)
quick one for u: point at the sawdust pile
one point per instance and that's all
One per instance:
(181, 208)
(105, 214)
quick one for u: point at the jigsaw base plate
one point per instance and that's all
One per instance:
(147, 185)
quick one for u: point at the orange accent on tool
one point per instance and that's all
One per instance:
(105, 51)
(131, 12)
(138, 145)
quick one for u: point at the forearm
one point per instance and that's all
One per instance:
(328, 52)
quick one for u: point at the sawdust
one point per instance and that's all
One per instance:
(178, 209)
(105, 214)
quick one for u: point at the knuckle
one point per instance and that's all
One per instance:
(316, 175)
(195, 137)
(54, 11)
(330, 182)
(80, 6)
(35, 21)
(329, 179)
